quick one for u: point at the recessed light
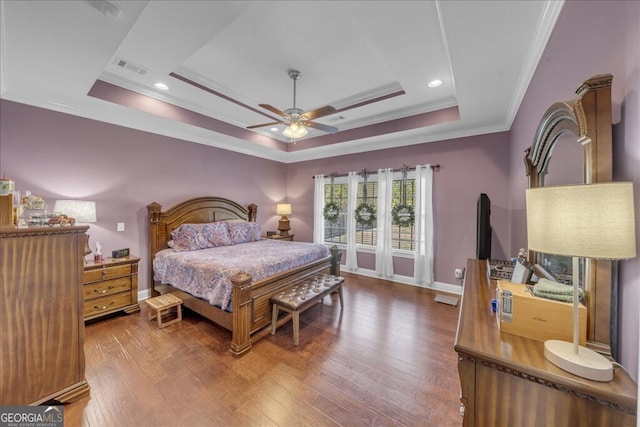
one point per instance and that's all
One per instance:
(161, 86)
(274, 129)
(435, 83)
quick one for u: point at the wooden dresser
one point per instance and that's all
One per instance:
(110, 286)
(41, 323)
(507, 381)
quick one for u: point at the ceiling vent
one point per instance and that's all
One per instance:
(106, 8)
(128, 65)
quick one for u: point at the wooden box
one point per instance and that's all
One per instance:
(522, 313)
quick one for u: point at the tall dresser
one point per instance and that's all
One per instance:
(506, 381)
(41, 322)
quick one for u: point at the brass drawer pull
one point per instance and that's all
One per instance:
(104, 307)
(102, 291)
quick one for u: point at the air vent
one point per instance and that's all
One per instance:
(106, 8)
(128, 65)
(335, 119)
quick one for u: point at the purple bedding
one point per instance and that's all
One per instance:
(206, 273)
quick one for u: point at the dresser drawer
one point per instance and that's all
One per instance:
(106, 304)
(107, 287)
(107, 273)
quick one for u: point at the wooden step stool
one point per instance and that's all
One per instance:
(162, 305)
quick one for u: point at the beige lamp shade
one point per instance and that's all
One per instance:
(591, 220)
(283, 209)
(83, 211)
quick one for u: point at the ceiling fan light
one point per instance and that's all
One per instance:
(295, 131)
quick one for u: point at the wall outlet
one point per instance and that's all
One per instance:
(121, 226)
(459, 272)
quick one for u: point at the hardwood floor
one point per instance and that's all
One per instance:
(386, 360)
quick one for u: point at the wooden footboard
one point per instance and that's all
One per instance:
(251, 305)
(251, 316)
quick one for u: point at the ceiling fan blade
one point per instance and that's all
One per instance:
(274, 110)
(264, 124)
(319, 112)
(319, 126)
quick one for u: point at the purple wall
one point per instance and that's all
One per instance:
(468, 167)
(59, 156)
(590, 38)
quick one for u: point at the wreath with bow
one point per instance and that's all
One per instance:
(403, 214)
(365, 214)
(331, 211)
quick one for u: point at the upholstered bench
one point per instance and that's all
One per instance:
(302, 295)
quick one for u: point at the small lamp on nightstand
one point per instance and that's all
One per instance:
(83, 211)
(283, 209)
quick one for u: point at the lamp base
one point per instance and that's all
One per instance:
(586, 364)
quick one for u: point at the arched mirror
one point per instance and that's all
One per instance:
(573, 144)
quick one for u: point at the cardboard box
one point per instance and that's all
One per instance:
(522, 313)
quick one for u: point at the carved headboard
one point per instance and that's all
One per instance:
(588, 118)
(192, 211)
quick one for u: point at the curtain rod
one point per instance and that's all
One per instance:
(375, 172)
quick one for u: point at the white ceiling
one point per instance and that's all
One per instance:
(371, 60)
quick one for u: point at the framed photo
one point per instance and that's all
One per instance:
(521, 272)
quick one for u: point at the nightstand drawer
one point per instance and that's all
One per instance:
(107, 287)
(106, 304)
(106, 273)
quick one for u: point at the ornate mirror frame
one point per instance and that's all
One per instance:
(588, 118)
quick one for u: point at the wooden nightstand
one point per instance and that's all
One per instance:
(279, 237)
(110, 286)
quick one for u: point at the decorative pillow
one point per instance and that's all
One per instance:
(243, 232)
(191, 237)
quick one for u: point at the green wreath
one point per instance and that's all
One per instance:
(403, 215)
(366, 214)
(331, 212)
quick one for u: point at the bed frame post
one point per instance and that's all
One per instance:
(336, 257)
(241, 299)
(252, 212)
(153, 213)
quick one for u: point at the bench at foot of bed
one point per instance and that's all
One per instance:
(297, 298)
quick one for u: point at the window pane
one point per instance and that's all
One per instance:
(402, 236)
(365, 234)
(336, 231)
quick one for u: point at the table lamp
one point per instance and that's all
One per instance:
(83, 211)
(590, 221)
(283, 209)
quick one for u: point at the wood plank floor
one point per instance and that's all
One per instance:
(386, 360)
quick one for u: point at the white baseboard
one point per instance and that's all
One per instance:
(438, 286)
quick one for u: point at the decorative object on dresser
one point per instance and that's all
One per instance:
(110, 286)
(581, 221)
(41, 325)
(83, 211)
(505, 379)
(283, 209)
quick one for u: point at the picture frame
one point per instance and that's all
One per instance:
(521, 272)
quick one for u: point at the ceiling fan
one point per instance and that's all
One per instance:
(298, 120)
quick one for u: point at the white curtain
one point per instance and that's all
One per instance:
(352, 255)
(423, 267)
(384, 253)
(318, 209)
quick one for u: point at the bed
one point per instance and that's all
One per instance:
(247, 310)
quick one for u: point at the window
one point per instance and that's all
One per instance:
(336, 231)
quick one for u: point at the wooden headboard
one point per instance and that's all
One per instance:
(192, 211)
